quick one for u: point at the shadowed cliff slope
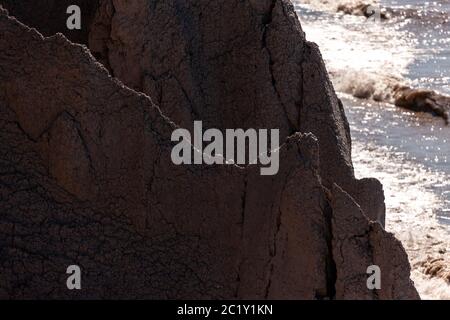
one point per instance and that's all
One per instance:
(86, 176)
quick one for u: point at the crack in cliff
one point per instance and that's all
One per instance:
(267, 21)
(273, 251)
(331, 271)
(243, 207)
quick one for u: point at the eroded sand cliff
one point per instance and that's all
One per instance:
(86, 176)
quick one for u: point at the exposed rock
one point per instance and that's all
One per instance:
(436, 267)
(86, 176)
(393, 90)
(279, 78)
(369, 10)
(423, 100)
(169, 51)
(357, 244)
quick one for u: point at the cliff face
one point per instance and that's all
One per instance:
(86, 176)
(49, 16)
